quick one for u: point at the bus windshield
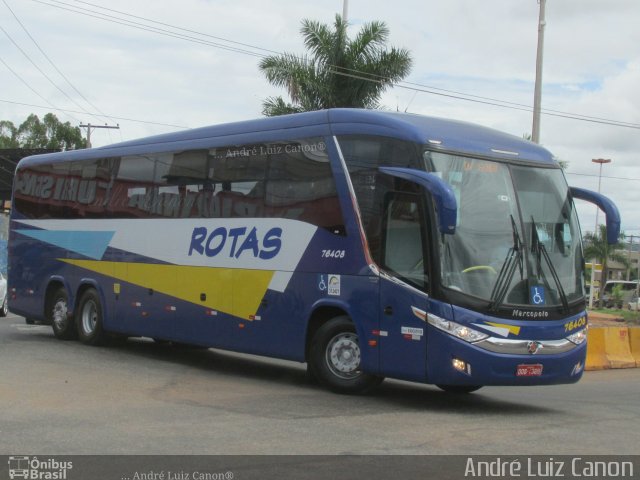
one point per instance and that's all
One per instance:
(517, 239)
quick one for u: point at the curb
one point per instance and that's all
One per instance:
(613, 347)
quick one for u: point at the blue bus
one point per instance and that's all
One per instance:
(367, 244)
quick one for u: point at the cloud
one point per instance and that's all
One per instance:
(488, 49)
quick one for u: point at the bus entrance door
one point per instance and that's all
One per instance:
(402, 301)
(403, 344)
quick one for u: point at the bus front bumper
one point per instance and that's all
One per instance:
(451, 361)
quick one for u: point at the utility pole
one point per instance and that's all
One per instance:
(535, 131)
(345, 10)
(599, 161)
(88, 126)
(629, 255)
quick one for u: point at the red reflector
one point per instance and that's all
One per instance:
(534, 370)
(373, 343)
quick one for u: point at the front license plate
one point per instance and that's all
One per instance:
(529, 370)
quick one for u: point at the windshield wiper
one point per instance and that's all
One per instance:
(512, 261)
(540, 251)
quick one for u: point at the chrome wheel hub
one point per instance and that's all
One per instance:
(343, 355)
(89, 317)
(60, 313)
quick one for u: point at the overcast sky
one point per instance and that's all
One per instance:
(470, 48)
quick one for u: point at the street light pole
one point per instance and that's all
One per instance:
(599, 161)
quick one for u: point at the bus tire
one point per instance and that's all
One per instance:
(334, 358)
(63, 324)
(459, 389)
(89, 317)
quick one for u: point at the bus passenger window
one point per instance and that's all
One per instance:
(404, 243)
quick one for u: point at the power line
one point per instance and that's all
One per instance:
(147, 28)
(495, 103)
(178, 28)
(603, 176)
(416, 87)
(43, 73)
(456, 94)
(31, 88)
(51, 61)
(90, 127)
(110, 116)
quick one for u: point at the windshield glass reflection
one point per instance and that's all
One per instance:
(495, 254)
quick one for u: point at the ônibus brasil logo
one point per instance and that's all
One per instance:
(32, 468)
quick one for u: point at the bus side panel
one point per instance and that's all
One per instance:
(32, 265)
(278, 328)
(143, 311)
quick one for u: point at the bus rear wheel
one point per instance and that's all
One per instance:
(89, 317)
(334, 358)
(58, 316)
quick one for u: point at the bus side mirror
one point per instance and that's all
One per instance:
(607, 206)
(441, 191)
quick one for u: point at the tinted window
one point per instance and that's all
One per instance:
(65, 190)
(283, 179)
(363, 155)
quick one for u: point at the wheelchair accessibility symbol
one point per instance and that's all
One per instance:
(537, 295)
(329, 283)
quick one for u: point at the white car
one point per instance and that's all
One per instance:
(3, 295)
(634, 304)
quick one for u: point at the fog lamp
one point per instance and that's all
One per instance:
(461, 365)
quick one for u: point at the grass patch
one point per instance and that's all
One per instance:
(630, 317)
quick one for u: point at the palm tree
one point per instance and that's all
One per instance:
(596, 246)
(338, 72)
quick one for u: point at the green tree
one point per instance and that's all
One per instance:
(617, 295)
(596, 246)
(49, 132)
(338, 71)
(8, 133)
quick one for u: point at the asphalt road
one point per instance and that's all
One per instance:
(142, 398)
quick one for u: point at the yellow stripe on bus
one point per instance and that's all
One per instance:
(234, 291)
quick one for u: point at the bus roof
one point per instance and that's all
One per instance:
(447, 135)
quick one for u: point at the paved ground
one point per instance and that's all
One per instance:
(142, 398)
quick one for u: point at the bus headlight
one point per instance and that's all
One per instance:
(578, 337)
(452, 328)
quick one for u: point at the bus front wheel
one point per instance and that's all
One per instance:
(89, 317)
(58, 316)
(334, 358)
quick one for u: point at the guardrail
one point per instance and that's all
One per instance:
(613, 347)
